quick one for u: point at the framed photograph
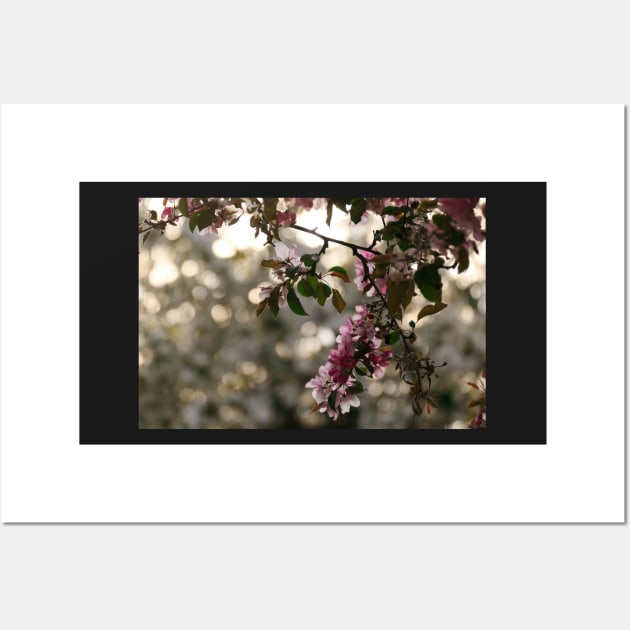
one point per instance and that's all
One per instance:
(143, 382)
(311, 313)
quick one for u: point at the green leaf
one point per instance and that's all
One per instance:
(270, 208)
(339, 272)
(323, 293)
(431, 309)
(432, 294)
(338, 301)
(182, 206)
(441, 220)
(427, 274)
(313, 281)
(329, 210)
(305, 288)
(332, 400)
(146, 236)
(294, 303)
(307, 259)
(273, 300)
(463, 260)
(392, 338)
(341, 204)
(358, 208)
(394, 210)
(356, 388)
(153, 215)
(428, 280)
(201, 219)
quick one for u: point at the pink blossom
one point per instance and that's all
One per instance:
(462, 211)
(319, 384)
(362, 282)
(479, 421)
(286, 218)
(286, 253)
(357, 342)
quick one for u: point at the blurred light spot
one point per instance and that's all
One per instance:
(326, 336)
(144, 263)
(240, 272)
(223, 249)
(163, 273)
(246, 367)
(385, 404)
(151, 303)
(173, 232)
(160, 253)
(252, 295)
(283, 350)
(375, 389)
(308, 329)
(186, 394)
(186, 312)
(221, 314)
(475, 291)
(389, 387)
(243, 316)
(466, 314)
(210, 279)
(199, 293)
(260, 376)
(189, 268)
(173, 317)
(230, 414)
(307, 347)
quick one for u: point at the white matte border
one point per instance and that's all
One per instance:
(577, 477)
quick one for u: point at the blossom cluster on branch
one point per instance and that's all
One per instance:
(417, 239)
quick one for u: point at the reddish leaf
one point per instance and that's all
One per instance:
(431, 309)
(338, 302)
(383, 258)
(270, 263)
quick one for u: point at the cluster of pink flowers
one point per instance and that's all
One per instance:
(462, 213)
(356, 342)
(359, 276)
(285, 219)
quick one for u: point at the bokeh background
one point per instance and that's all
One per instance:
(207, 362)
